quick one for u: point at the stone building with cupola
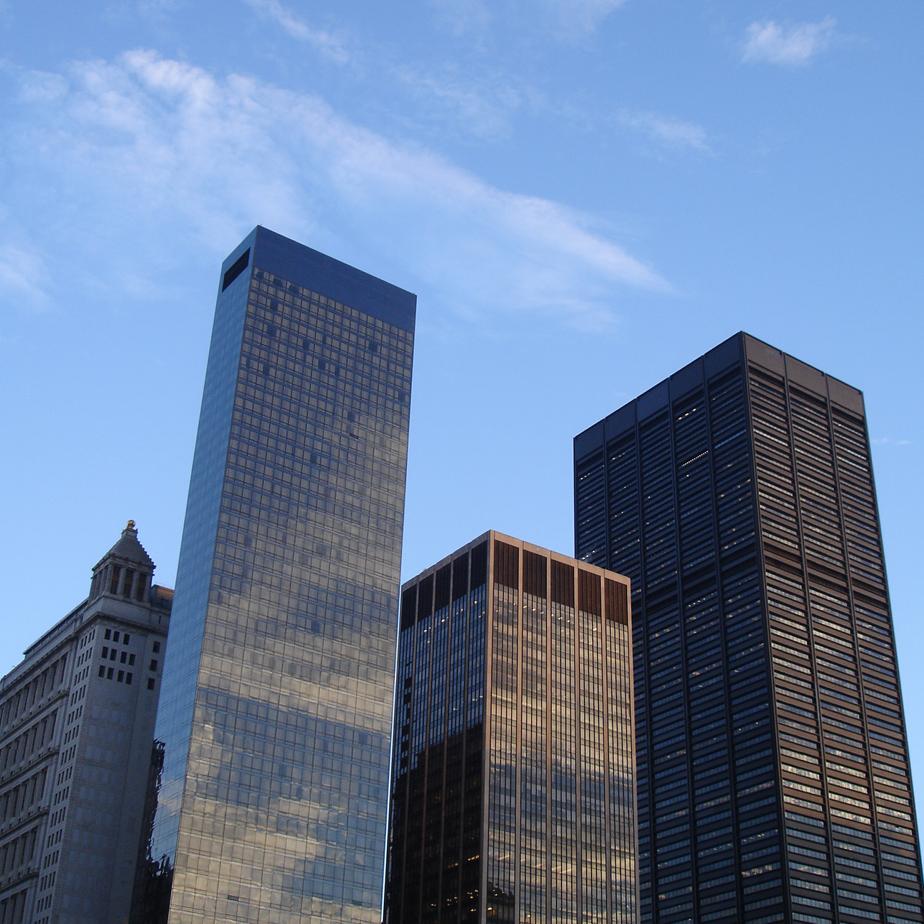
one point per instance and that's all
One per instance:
(76, 734)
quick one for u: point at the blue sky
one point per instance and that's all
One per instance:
(585, 194)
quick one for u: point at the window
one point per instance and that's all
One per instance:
(150, 683)
(235, 269)
(108, 634)
(102, 671)
(157, 648)
(126, 639)
(153, 666)
(115, 635)
(128, 678)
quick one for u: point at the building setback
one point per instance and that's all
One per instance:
(76, 723)
(773, 775)
(275, 715)
(512, 778)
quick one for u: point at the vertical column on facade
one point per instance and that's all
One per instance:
(502, 774)
(518, 746)
(624, 553)
(610, 768)
(799, 737)
(451, 889)
(834, 656)
(580, 879)
(725, 459)
(534, 720)
(799, 708)
(474, 808)
(417, 771)
(564, 796)
(704, 669)
(896, 840)
(674, 858)
(401, 743)
(620, 773)
(744, 646)
(856, 875)
(436, 749)
(547, 757)
(590, 721)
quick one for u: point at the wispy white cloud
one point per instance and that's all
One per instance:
(463, 16)
(328, 44)
(565, 19)
(788, 45)
(157, 8)
(890, 441)
(171, 144)
(479, 106)
(580, 17)
(667, 131)
(24, 272)
(40, 86)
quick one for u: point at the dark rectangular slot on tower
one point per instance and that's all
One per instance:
(589, 592)
(442, 586)
(408, 606)
(479, 565)
(506, 564)
(562, 583)
(617, 604)
(533, 574)
(460, 577)
(235, 269)
(425, 598)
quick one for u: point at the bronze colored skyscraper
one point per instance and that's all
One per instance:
(276, 703)
(773, 777)
(512, 779)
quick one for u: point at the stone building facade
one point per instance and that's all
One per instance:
(76, 729)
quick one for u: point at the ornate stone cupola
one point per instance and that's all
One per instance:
(125, 570)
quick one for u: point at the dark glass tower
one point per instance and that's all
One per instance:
(773, 777)
(276, 704)
(512, 768)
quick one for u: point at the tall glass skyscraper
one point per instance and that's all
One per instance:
(276, 704)
(513, 795)
(773, 776)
